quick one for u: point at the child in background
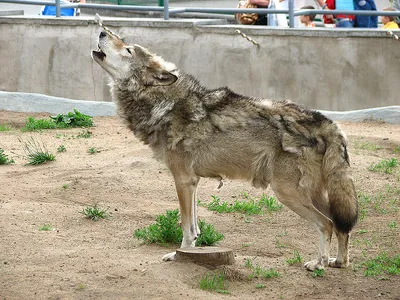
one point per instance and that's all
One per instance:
(308, 20)
(388, 21)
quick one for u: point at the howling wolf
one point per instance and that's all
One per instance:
(198, 132)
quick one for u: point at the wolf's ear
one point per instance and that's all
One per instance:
(159, 77)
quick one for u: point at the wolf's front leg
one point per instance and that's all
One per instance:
(186, 187)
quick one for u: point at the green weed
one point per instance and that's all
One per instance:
(249, 207)
(214, 283)
(59, 135)
(4, 160)
(166, 230)
(248, 263)
(65, 186)
(95, 213)
(318, 273)
(260, 286)
(208, 235)
(33, 124)
(365, 145)
(385, 166)
(46, 227)
(85, 134)
(80, 286)
(36, 153)
(4, 127)
(259, 272)
(296, 259)
(392, 225)
(383, 202)
(278, 244)
(363, 214)
(396, 150)
(93, 150)
(73, 119)
(381, 265)
(61, 148)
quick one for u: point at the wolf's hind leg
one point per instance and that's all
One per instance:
(186, 186)
(342, 259)
(304, 207)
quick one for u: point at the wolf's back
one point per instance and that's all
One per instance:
(339, 182)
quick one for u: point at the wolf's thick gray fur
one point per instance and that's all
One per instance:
(198, 132)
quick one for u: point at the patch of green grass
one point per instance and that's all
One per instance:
(392, 225)
(278, 244)
(258, 271)
(46, 227)
(382, 265)
(93, 150)
(61, 148)
(80, 286)
(396, 150)
(214, 283)
(33, 124)
(363, 214)
(84, 134)
(73, 119)
(36, 153)
(386, 166)
(208, 235)
(249, 207)
(248, 263)
(4, 127)
(65, 186)
(4, 160)
(296, 259)
(59, 136)
(95, 213)
(318, 273)
(260, 286)
(362, 231)
(166, 230)
(384, 202)
(365, 145)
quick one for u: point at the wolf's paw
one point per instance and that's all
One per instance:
(169, 256)
(314, 265)
(334, 263)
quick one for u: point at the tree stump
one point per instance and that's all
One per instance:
(214, 256)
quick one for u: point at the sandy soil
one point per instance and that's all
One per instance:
(82, 259)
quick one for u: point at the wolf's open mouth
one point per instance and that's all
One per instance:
(99, 54)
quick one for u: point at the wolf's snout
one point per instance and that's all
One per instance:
(102, 34)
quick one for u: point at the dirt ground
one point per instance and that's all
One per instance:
(82, 259)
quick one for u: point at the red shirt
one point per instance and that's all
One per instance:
(331, 5)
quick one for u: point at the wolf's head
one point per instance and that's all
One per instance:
(131, 62)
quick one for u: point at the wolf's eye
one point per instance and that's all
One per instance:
(129, 51)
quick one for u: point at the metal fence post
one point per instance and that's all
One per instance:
(291, 13)
(166, 9)
(58, 10)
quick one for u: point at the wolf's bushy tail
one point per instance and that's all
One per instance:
(343, 204)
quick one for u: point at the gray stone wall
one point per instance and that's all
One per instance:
(320, 68)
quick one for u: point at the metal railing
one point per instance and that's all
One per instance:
(167, 10)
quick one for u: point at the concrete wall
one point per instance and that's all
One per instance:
(322, 68)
